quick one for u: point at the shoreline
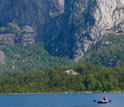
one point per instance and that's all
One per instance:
(86, 92)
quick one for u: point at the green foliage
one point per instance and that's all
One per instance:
(108, 51)
(2, 29)
(30, 57)
(7, 30)
(54, 79)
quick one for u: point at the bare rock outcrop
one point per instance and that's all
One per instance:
(28, 35)
(108, 14)
(67, 27)
(7, 38)
(2, 57)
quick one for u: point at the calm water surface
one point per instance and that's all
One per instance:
(61, 100)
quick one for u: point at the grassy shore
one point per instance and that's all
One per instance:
(71, 92)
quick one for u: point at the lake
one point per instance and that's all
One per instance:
(61, 100)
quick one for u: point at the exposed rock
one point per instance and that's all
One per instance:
(107, 14)
(56, 7)
(28, 35)
(28, 38)
(105, 44)
(67, 27)
(28, 29)
(2, 57)
(15, 26)
(7, 38)
(25, 35)
(71, 72)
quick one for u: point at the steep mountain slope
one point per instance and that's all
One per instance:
(28, 58)
(68, 28)
(71, 26)
(109, 51)
(35, 13)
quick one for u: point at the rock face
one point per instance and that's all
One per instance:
(107, 15)
(71, 72)
(28, 35)
(56, 7)
(7, 38)
(2, 57)
(67, 27)
(13, 34)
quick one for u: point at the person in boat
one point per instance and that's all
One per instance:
(105, 98)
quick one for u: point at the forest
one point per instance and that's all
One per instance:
(54, 80)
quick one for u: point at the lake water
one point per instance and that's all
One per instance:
(61, 100)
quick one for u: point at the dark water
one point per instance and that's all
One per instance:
(60, 100)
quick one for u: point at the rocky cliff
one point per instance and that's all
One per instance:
(67, 27)
(108, 17)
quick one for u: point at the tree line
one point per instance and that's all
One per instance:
(54, 79)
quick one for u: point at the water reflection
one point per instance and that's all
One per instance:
(95, 105)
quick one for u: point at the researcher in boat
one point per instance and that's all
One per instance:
(105, 98)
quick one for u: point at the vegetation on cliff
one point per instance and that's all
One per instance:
(31, 57)
(109, 51)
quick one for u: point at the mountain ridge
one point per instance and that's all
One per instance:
(66, 28)
(79, 22)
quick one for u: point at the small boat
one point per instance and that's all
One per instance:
(102, 102)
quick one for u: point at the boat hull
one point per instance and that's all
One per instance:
(102, 102)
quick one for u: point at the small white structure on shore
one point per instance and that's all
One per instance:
(71, 72)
